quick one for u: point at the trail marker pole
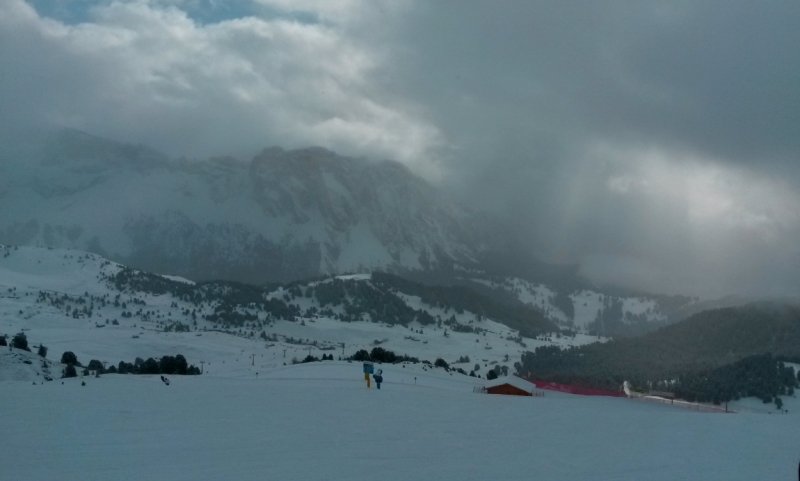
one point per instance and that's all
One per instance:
(201, 366)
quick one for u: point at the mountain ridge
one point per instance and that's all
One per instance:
(283, 215)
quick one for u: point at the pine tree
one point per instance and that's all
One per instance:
(20, 341)
(181, 366)
(95, 365)
(69, 357)
(69, 371)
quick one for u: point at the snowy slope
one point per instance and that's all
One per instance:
(20, 365)
(319, 422)
(63, 299)
(592, 310)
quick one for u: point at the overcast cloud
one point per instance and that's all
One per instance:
(654, 143)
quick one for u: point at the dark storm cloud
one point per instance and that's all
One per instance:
(719, 77)
(655, 143)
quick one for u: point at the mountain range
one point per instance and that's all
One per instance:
(282, 216)
(289, 215)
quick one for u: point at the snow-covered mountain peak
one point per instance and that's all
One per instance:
(79, 151)
(287, 214)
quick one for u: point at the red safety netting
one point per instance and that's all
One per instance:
(572, 389)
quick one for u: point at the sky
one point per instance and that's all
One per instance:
(655, 144)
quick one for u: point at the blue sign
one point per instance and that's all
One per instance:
(368, 367)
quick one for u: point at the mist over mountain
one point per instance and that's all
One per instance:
(289, 215)
(284, 215)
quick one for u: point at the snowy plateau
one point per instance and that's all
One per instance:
(253, 414)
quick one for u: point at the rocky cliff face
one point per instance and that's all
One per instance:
(284, 215)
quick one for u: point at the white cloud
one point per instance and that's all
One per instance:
(713, 194)
(332, 10)
(146, 72)
(683, 223)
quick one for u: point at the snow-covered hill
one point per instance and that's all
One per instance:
(80, 302)
(284, 215)
(593, 310)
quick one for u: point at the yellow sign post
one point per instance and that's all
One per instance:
(368, 369)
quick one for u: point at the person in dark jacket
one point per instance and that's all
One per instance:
(378, 378)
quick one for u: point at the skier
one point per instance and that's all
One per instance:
(165, 380)
(378, 378)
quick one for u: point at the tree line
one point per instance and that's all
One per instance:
(691, 351)
(166, 365)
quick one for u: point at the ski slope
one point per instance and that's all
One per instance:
(318, 422)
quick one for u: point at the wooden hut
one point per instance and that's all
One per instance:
(511, 386)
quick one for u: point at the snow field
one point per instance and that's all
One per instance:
(587, 303)
(319, 422)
